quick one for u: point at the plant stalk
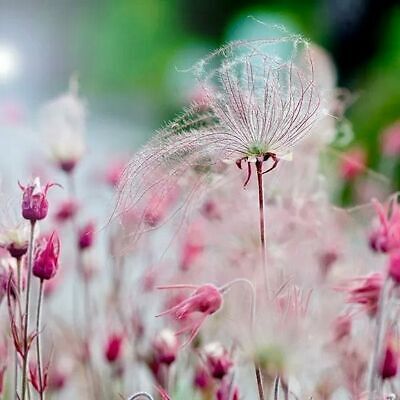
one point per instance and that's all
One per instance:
(38, 350)
(24, 381)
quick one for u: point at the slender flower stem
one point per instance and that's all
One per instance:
(262, 224)
(24, 382)
(19, 291)
(38, 328)
(381, 318)
(260, 386)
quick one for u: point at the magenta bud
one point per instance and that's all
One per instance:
(34, 201)
(165, 347)
(388, 367)
(113, 348)
(218, 360)
(202, 379)
(86, 236)
(45, 264)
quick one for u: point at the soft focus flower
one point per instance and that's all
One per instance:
(113, 347)
(205, 300)
(66, 210)
(366, 291)
(45, 264)
(62, 122)
(341, 327)
(218, 360)
(114, 172)
(353, 163)
(35, 205)
(15, 239)
(165, 347)
(386, 236)
(390, 140)
(193, 245)
(86, 236)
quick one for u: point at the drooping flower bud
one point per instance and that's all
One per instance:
(366, 292)
(202, 379)
(386, 235)
(15, 240)
(45, 264)
(166, 346)
(34, 201)
(86, 236)
(218, 360)
(389, 363)
(66, 210)
(206, 300)
(113, 348)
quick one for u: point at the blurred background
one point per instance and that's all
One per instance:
(130, 54)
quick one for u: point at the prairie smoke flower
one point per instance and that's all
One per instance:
(62, 122)
(386, 236)
(205, 300)
(15, 239)
(86, 236)
(113, 347)
(259, 107)
(165, 347)
(35, 205)
(217, 359)
(45, 264)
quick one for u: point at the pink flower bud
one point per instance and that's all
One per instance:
(45, 264)
(388, 367)
(166, 346)
(66, 210)
(86, 236)
(113, 348)
(202, 379)
(386, 236)
(205, 300)
(34, 201)
(218, 360)
(16, 239)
